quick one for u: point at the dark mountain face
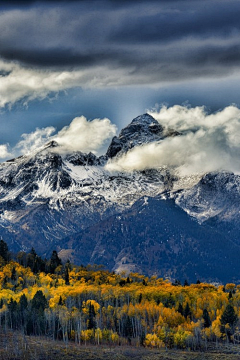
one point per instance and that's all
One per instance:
(156, 237)
(72, 203)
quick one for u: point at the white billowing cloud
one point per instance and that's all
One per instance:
(86, 136)
(19, 83)
(80, 135)
(34, 140)
(184, 118)
(4, 153)
(207, 143)
(26, 84)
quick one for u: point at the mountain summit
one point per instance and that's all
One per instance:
(143, 129)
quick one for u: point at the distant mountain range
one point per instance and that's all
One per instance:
(147, 221)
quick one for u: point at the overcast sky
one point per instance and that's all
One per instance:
(113, 59)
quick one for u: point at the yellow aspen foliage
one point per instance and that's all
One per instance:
(161, 332)
(114, 337)
(181, 337)
(98, 335)
(207, 333)
(216, 326)
(171, 317)
(87, 335)
(106, 334)
(93, 303)
(72, 335)
(230, 287)
(153, 341)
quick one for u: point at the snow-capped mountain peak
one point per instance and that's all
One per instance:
(143, 129)
(49, 196)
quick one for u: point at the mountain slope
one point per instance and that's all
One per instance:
(214, 200)
(49, 200)
(155, 236)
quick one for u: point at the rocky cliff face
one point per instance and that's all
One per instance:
(143, 129)
(71, 202)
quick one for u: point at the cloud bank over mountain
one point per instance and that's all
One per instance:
(79, 135)
(205, 143)
(85, 136)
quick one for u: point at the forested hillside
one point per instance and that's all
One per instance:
(89, 305)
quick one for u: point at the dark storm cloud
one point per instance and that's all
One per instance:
(166, 24)
(29, 2)
(152, 41)
(56, 57)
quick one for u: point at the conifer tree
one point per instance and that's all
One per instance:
(36, 319)
(128, 329)
(12, 308)
(180, 309)
(39, 301)
(91, 317)
(228, 321)
(187, 311)
(55, 261)
(14, 274)
(23, 303)
(66, 276)
(60, 302)
(4, 251)
(207, 322)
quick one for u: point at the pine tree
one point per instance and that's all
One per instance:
(36, 319)
(39, 301)
(207, 322)
(14, 274)
(12, 308)
(4, 251)
(230, 318)
(176, 283)
(23, 303)
(31, 258)
(69, 265)
(60, 302)
(91, 317)
(187, 311)
(128, 329)
(66, 276)
(23, 311)
(55, 261)
(180, 309)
